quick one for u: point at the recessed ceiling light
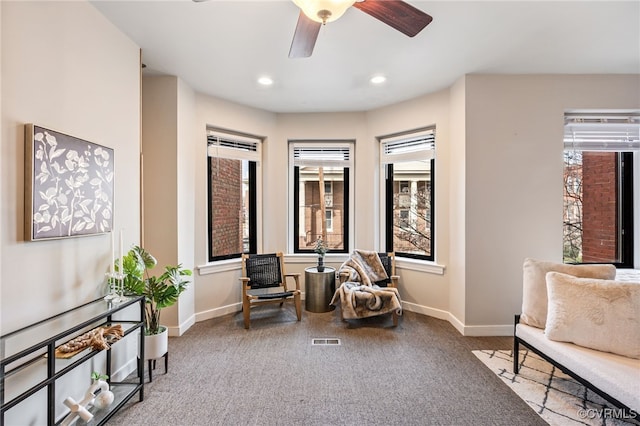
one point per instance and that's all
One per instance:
(378, 79)
(265, 81)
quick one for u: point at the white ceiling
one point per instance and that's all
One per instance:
(221, 47)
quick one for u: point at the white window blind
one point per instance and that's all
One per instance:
(321, 154)
(602, 132)
(226, 145)
(412, 147)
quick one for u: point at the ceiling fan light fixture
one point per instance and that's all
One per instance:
(265, 81)
(377, 79)
(324, 11)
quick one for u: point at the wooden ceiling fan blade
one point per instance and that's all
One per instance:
(304, 38)
(397, 14)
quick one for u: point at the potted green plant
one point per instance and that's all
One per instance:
(321, 248)
(159, 291)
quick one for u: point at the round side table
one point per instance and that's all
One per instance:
(319, 289)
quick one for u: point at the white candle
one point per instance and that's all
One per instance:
(121, 254)
(113, 253)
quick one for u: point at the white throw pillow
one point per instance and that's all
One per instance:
(534, 285)
(597, 314)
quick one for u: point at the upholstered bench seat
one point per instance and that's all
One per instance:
(616, 375)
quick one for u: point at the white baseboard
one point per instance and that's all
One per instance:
(425, 310)
(218, 312)
(180, 329)
(125, 370)
(465, 330)
(488, 330)
(222, 311)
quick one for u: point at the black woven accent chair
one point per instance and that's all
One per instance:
(265, 281)
(388, 261)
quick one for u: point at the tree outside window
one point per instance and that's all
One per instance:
(598, 187)
(409, 163)
(321, 182)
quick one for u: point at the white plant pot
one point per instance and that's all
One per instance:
(156, 345)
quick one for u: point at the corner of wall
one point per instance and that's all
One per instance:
(457, 200)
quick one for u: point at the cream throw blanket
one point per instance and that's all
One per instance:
(359, 297)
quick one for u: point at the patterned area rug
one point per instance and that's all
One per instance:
(556, 397)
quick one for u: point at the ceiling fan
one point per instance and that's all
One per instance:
(314, 13)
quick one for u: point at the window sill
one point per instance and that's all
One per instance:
(401, 262)
(312, 258)
(419, 265)
(219, 266)
(306, 258)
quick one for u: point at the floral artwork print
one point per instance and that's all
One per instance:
(72, 187)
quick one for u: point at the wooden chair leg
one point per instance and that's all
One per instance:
(395, 319)
(246, 314)
(298, 304)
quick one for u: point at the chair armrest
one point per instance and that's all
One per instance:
(245, 285)
(394, 280)
(296, 278)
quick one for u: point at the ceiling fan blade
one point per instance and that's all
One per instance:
(397, 14)
(304, 39)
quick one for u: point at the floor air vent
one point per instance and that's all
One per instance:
(325, 342)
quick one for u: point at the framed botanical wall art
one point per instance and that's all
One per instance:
(68, 185)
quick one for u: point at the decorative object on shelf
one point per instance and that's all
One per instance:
(115, 277)
(20, 349)
(321, 248)
(97, 339)
(80, 409)
(105, 397)
(68, 185)
(103, 400)
(115, 281)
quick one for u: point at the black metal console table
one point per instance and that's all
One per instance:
(28, 366)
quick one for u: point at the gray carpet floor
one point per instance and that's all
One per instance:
(421, 373)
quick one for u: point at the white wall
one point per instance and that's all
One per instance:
(322, 126)
(498, 196)
(187, 157)
(217, 289)
(2, 180)
(513, 191)
(423, 291)
(66, 68)
(457, 217)
(485, 124)
(169, 152)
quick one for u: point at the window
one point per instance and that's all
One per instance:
(404, 220)
(329, 219)
(321, 188)
(598, 187)
(232, 173)
(409, 170)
